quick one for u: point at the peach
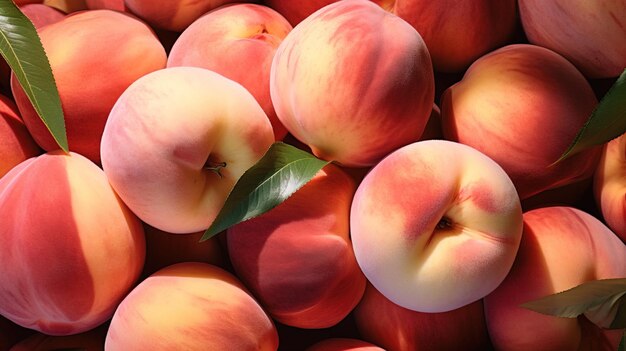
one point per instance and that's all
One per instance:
(117, 5)
(297, 258)
(434, 236)
(41, 15)
(16, 144)
(590, 34)
(67, 6)
(94, 55)
(609, 185)
(353, 82)
(190, 306)
(343, 344)
(176, 142)
(173, 15)
(237, 41)
(392, 327)
(522, 105)
(561, 247)
(456, 32)
(165, 249)
(71, 250)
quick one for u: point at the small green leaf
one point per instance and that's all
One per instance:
(281, 172)
(22, 49)
(603, 302)
(607, 122)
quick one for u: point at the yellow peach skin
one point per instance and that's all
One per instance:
(237, 41)
(610, 185)
(590, 34)
(94, 56)
(561, 247)
(71, 250)
(177, 141)
(297, 258)
(435, 226)
(522, 105)
(190, 306)
(353, 82)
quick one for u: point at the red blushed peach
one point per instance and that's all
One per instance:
(117, 5)
(451, 229)
(384, 323)
(590, 34)
(71, 250)
(177, 141)
(41, 15)
(94, 55)
(342, 344)
(297, 258)
(92, 340)
(522, 105)
(16, 144)
(237, 41)
(561, 248)
(353, 82)
(610, 185)
(173, 15)
(165, 249)
(190, 306)
(296, 11)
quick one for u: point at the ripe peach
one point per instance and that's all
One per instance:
(237, 41)
(173, 15)
(16, 144)
(522, 105)
(190, 306)
(177, 141)
(71, 250)
(117, 5)
(451, 229)
(297, 258)
(343, 344)
(94, 55)
(590, 34)
(41, 15)
(353, 82)
(561, 248)
(384, 323)
(610, 185)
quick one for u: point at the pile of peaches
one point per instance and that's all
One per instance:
(442, 212)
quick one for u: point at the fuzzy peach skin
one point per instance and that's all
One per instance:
(434, 236)
(117, 5)
(92, 340)
(71, 248)
(237, 41)
(16, 143)
(384, 323)
(191, 306)
(561, 247)
(297, 258)
(296, 11)
(343, 344)
(94, 55)
(177, 141)
(590, 34)
(41, 15)
(610, 185)
(522, 105)
(172, 15)
(353, 82)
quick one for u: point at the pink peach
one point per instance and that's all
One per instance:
(16, 143)
(610, 185)
(343, 344)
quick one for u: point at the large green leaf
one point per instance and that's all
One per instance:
(21, 48)
(607, 121)
(602, 301)
(282, 171)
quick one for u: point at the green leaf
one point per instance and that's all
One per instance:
(22, 49)
(607, 122)
(603, 302)
(622, 344)
(281, 172)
